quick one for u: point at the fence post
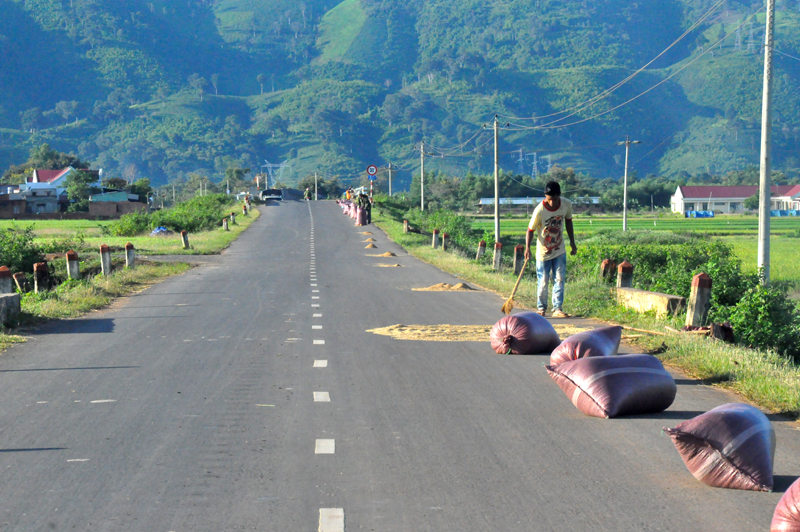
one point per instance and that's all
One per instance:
(481, 250)
(105, 260)
(40, 277)
(233, 218)
(625, 275)
(607, 268)
(224, 224)
(435, 243)
(185, 239)
(405, 226)
(73, 265)
(6, 282)
(130, 256)
(699, 300)
(498, 256)
(244, 209)
(519, 258)
(445, 241)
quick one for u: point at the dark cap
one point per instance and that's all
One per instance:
(552, 189)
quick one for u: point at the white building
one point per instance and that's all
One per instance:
(729, 199)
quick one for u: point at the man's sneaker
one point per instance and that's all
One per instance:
(558, 313)
(540, 312)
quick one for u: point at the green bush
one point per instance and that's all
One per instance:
(17, 249)
(765, 318)
(459, 228)
(202, 213)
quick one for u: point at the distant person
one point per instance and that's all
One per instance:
(307, 194)
(367, 206)
(548, 222)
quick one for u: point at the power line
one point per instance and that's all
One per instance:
(588, 103)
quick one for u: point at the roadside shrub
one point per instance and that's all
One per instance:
(62, 245)
(765, 318)
(458, 227)
(17, 249)
(202, 213)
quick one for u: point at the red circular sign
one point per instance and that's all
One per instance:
(372, 169)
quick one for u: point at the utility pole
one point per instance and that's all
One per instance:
(422, 175)
(315, 187)
(390, 179)
(765, 183)
(627, 144)
(496, 185)
(173, 195)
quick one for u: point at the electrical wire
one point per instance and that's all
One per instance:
(606, 93)
(687, 65)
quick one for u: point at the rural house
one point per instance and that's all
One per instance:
(730, 199)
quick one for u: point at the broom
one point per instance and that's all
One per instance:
(509, 304)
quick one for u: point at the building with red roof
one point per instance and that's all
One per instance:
(730, 199)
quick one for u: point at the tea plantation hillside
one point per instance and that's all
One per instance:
(163, 89)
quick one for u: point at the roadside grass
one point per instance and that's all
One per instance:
(763, 378)
(202, 243)
(76, 297)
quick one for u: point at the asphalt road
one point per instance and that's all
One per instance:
(191, 407)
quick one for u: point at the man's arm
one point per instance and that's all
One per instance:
(528, 240)
(571, 234)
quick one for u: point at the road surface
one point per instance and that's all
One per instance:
(246, 394)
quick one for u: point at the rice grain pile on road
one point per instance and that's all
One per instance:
(370, 246)
(444, 287)
(365, 233)
(436, 333)
(370, 240)
(387, 254)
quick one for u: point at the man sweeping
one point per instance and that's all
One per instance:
(548, 222)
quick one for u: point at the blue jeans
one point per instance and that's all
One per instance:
(545, 270)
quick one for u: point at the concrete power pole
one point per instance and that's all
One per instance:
(496, 185)
(390, 179)
(765, 183)
(315, 187)
(422, 176)
(627, 144)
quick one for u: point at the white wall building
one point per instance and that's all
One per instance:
(730, 199)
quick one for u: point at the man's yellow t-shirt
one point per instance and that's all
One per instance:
(548, 223)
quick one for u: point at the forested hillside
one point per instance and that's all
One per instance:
(164, 89)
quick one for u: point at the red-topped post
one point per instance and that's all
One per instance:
(445, 241)
(699, 301)
(73, 265)
(607, 268)
(130, 256)
(105, 260)
(6, 282)
(435, 242)
(519, 258)
(498, 256)
(481, 250)
(41, 277)
(625, 275)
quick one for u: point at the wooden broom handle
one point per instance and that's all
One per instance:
(521, 272)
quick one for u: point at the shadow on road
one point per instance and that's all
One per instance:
(68, 369)
(689, 382)
(32, 449)
(781, 483)
(669, 414)
(81, 325)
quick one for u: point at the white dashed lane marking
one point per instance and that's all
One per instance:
(331, 520)
(317, 316)
(315, 291)
(319, 342)
(315, 305)
(320, 364)
(316, 326)
(104, 401)
(322, 397)
(313, 284)
(325, 447)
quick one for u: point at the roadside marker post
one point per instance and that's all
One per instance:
(435, 242)
(625, 275)
(519, 258)
(498, 256)
(6, 282)
(40, 277)
(105, 260)
(185, 239)
(130, 256)
(699, 301)
(73, 265)
(481, 250)
(224, 224)
(445, 241)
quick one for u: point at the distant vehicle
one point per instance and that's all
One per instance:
(272, 193)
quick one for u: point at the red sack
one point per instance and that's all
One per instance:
(361, 216)
(525, 333)
(617, 385)
(787, 514)
(602, 342)
(731, 446)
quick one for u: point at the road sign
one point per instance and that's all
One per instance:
(372, 177)
(372, 170)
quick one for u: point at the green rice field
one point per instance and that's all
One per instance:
(740, 231)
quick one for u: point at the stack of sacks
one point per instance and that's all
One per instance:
(613, 386)
(525, 333)
(787, 513)
(731, 446)
(361, 217)
(602, 342)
